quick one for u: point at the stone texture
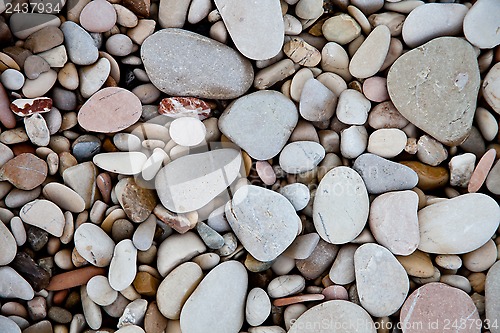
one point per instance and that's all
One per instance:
(177, 249)
(137, 202)
(480, 26)
(258, 307)
(207, 77)
(317, 102)
(93, 244)
(79, 43)
(45, 215)
(25, 171)
(445, 113)
(492, 294)
(301, 156)
(370, 56)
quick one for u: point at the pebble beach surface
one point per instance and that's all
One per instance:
(266, 166)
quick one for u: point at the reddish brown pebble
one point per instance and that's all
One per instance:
(335, 292)
(74, 278)
(60, 296)
(481, 172)
(25, 171)
(104, 185)
(298, 299)
(139, 7)
(6, 116)
(23, 148)
(24, 107)
(176, 107)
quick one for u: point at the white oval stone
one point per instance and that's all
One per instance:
(178, 248)
(144, 234)
(190, 182)
(298, 194)
(317, 102)
(340, 208)
(335, 314)
(218, 302)
(381, 281)
(250, 122)
(342, 271)
(353, 107)
(258, 307)
(481, 24)
(301, 156)
(387, 142)
(187, 131)
(125, 163)
(458, 225)
(93, 244)
(286, 285)
(45, 215)
(256, 28)
(122, 268)
(100, 291)
(481, 259)
(263, 220)
(433, 20)
(370, 56)
(37, 130)
(175, 289)
(9, 245)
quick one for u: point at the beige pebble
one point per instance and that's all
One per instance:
(302, 53)
(341, 29)
(431, 151)
(387, 142)
(56, 57)
(375, 89)
(449, 261)
(268, 76)
(298, 81)
(481, 259)
(119, 45)
(371, 55)
(334, 59)
(125, 17)
(92, 77)
(486, 123)
(41, 85)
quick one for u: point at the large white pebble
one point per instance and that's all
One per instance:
(187, 131)
(94, 245)
(123, 267)
(258, 307)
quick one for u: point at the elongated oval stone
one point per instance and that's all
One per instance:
(435, 87)
(256, 27)
(492, 294)
(458, 225)
(122, 268)
(263, 220)
(94, 245)
(381, 281)
(218, 302)
(340, 208)
(334, 316)
(183, 63)
(192, 181)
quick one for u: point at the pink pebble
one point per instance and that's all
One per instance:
(98, 16)
(375, 89)
(335, 292)
(266, 172)
(481, 172)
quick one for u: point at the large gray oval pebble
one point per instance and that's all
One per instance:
(340, 208)
(260, 123)
(256, 27)
(218, 303)
(381, 281)
(301, 156)
(183, 63)
(263, 220)
(13, 285)
(458, 225)
(79, 44)
(9, 245)
(192, 181)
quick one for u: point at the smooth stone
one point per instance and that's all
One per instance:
(12, 79)
(125, 163)
(41, 85)
(122, 269)
(64, 197)
(335, 59)
(492, 293)
(353, 141)
(82, 179)
(8, 325)
(370, 56)
(91, 311)
(144, 234)
(482, 258)
(194, 180)
(100, 291)
(481, 171)
(34, 66)
(258, 307)
(93, 244)
(491, 86)
(93, 77)
(480, 26)
(417, 264)
(98, 16)
(340, 208)
(341, 29)
(264, 221)
(381, 175)
(254, 28)
(336, 313)
(285, 285)
(429, 177)
(461, 169)
(487, 124)
(175, 289)
(317, 102)
(385, 115)
(120, 45)
(493, 179)
(6, 154)
(255, 129)
(353, 107)
(342, 271)
(133, 314)
(274, 73)
(24, 23)
(79, 44)
(13, 285)
(110, 110)
(437, 303)
(298, 194)
(431, 151)
(137, 202)
(45, 215)
(203, 80)
(433, 20)
(449, 62)
(68, 76)
(387, 142)
(37, 130)
(210, 237)
(301, 156)
(265, 172)
(375, 89)
(187, 131)
(25, 171)
(381, 281)
(207, 306)
(9, 245)
(458, 225)
(308, 9)
(177, 249)
(393, 221)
